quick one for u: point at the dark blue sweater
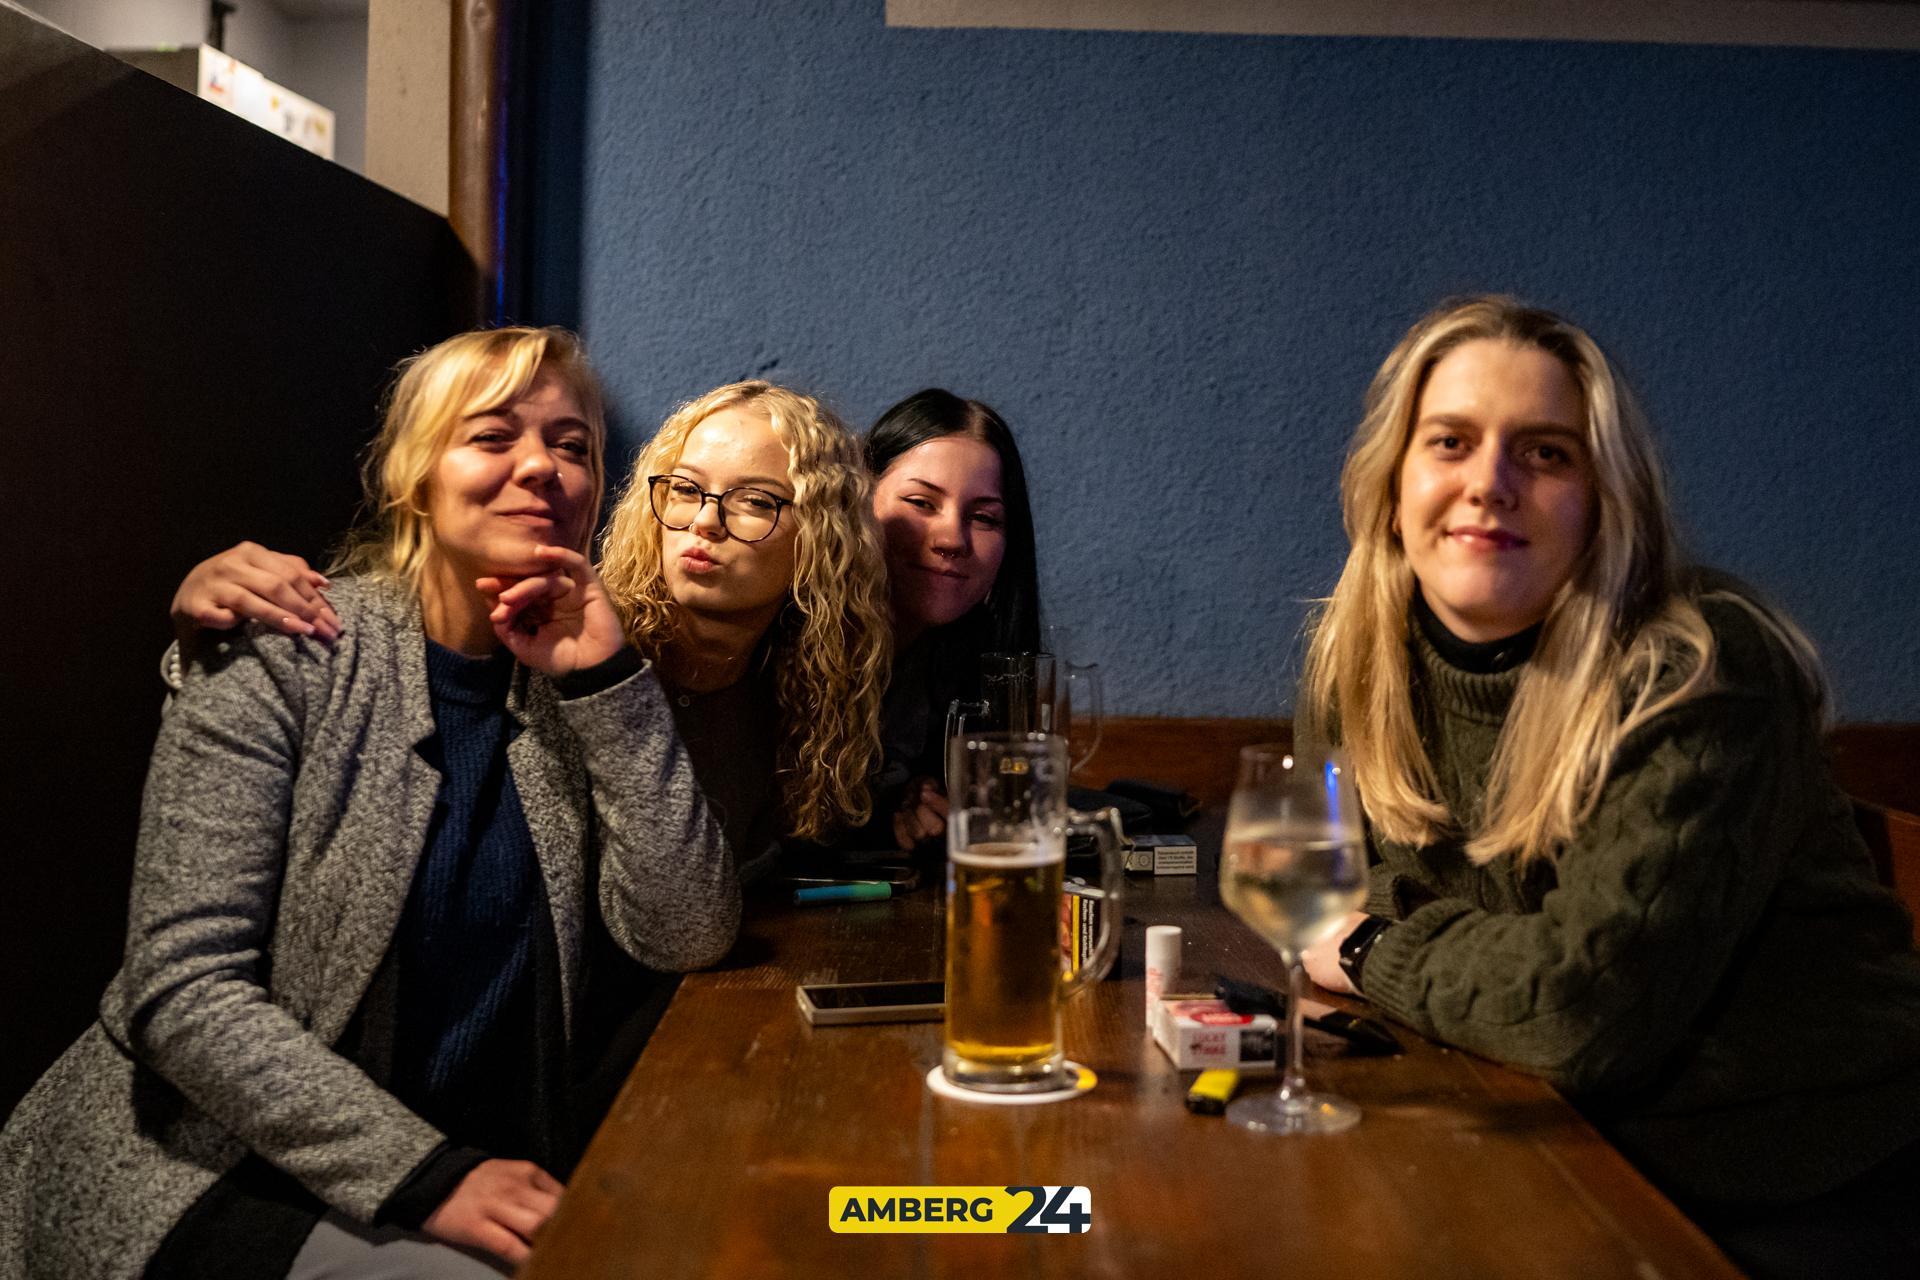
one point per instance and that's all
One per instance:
(475, 944)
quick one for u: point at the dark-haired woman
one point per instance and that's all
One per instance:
(950, 497)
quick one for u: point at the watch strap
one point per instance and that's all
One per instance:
(1355, 946)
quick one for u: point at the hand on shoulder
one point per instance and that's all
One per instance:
(249, 583)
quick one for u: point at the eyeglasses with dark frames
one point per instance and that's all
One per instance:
(746, 513)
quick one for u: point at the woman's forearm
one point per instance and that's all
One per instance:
(191, 1001)
(669, 891)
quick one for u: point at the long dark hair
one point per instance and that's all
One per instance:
(1008, 621)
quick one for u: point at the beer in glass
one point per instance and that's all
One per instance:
(1006, 843)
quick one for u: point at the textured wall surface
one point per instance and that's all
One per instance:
(329, 65)
(1174, 261)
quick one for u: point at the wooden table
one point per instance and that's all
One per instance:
(718, 1157)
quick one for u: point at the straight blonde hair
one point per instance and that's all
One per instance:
(1623, 626)
(831, 646)
(471, 373)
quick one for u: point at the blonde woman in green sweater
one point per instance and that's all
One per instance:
(1608, 849)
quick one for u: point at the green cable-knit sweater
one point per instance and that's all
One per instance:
(1709, 969)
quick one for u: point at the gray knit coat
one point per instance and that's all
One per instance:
(285, 810)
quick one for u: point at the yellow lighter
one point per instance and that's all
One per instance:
(1211, 1092)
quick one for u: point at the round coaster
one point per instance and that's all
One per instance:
(1083, 1082)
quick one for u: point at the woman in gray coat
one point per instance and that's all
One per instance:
(368, 877)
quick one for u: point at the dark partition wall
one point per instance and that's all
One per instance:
(198, 319)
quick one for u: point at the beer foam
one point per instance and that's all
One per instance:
(1031, 855)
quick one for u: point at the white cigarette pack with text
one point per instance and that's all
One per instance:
(1163, 855)
(1198, 1033)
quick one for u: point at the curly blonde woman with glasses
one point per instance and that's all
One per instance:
(1608, 847)
(744, 559)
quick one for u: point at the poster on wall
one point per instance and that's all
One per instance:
(225, 81)
(1837, 24)
(230, 83)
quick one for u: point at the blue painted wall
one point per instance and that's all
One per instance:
(1174, 261)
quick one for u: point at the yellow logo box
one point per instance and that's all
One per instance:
(960, 1210)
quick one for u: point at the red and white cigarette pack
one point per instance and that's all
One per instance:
(1197, 1033)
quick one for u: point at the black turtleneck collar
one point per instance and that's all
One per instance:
(1488, 657)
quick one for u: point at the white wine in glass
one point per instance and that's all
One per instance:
(1293, 866)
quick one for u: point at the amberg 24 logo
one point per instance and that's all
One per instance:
(960, 1210)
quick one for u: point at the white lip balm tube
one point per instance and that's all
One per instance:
(1163, 962)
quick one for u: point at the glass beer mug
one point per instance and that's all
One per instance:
(1034, 693)
(1007, 854)
(1076, 715)
(1018, 689)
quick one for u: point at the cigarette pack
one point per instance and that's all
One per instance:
(1162, 855)
(1198, 1033)
(1080, 909)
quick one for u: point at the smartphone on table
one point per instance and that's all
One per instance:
(838, 1003)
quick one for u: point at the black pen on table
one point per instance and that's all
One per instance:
(1366, 1035)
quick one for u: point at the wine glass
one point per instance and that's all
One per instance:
(1294, 865)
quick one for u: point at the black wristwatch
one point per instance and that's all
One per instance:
(1355, 946)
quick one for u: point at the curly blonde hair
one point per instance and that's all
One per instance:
(832, 644)
(470, 373)
(1623, 624)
